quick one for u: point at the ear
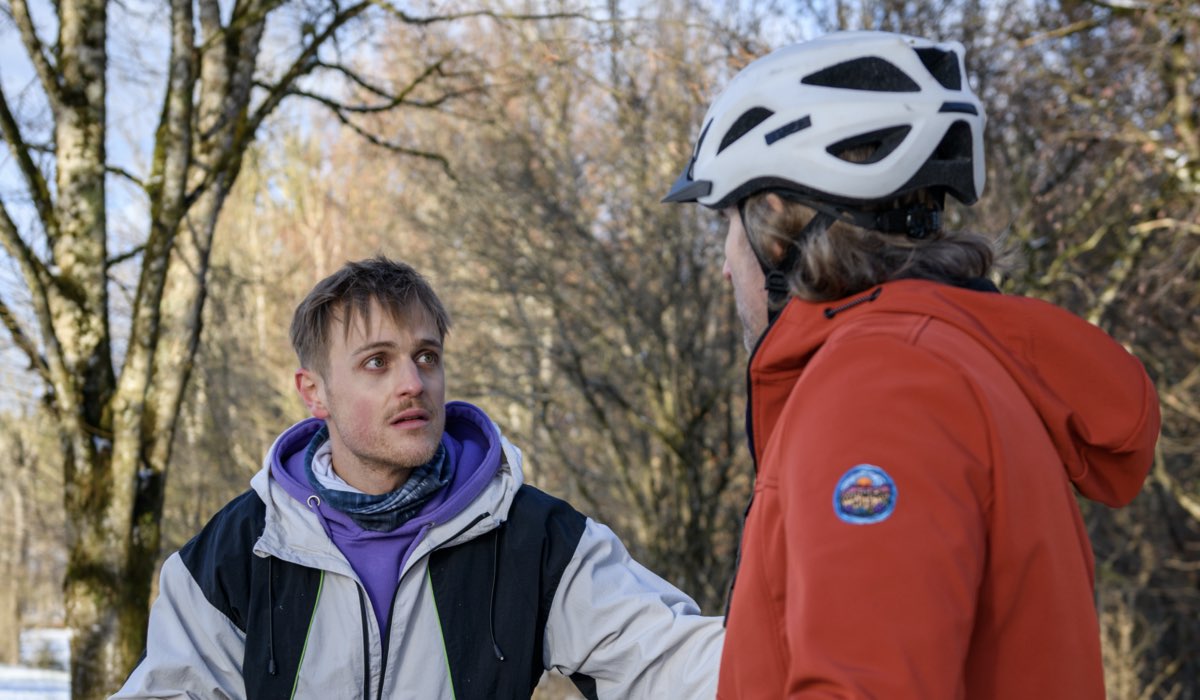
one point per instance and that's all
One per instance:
(775, 202)
(311, 388)
(775, 249)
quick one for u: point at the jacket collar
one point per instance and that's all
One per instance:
(293, 531)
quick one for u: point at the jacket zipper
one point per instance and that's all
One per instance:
(366, 634)
(737, 563)
(386, 634)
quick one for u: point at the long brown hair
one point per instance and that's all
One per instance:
(842, 259)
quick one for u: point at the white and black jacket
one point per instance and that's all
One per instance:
(262, 605)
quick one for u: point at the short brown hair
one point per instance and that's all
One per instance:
(347, 294)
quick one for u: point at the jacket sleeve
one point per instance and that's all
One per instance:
(884, 487)
(620, 631)
(192, 650)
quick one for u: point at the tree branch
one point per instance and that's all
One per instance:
(36, 275)
(1176, 490)
(1186, 10)
(243, 16)
(123, 173)
(375, 140)
(34, 179)
(392, 100)
(127, 255)
(22, 340)
(307, 60)
(354, 78)
(1185, 227)
(168, 179)
(492, 14)
(1060, 33)
(302, 65)
(38, 279)
(46, 71)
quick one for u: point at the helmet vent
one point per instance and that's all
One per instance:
(749, 119)
(943, 66)
(956, 144)
(699, 142)
(870, 147)
(788, 129)
(951, 166)
(868, 73)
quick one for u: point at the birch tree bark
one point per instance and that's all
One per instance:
(12, 533)
(117, 424)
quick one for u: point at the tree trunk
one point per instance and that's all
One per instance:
(116, 436)
(97, 600)
(12, 533)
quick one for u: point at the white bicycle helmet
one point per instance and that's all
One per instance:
(783, 121)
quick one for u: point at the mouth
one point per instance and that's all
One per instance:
(410, 419)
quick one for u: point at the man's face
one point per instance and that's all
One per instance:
(742, 269)
(382, 395)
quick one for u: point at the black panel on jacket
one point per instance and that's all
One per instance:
(525, 558)
(221, 560)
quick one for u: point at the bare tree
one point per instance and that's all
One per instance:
(13, 533)
(116, 411)
(1102, 107)
(592, 320)
(1094, 169)
(31, 551)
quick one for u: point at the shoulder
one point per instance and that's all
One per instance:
(220, 559)
(232, 531)
(885, 357)
(533, 502)
(536, 515)
(879, 393)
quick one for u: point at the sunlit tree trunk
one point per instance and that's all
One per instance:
(117, 427)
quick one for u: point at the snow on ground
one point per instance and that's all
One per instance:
(39, 647)
(23, 683)
(46, 647)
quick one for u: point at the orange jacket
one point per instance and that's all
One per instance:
(914, 531)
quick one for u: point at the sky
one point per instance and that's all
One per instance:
(136, 79)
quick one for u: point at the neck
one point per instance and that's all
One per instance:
(369, 478)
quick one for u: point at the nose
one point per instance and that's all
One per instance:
(408, 379)
(726, 272)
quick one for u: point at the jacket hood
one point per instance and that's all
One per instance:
(487, 474)
(1095, 399)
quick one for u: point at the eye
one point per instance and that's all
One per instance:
(375, 362)
(428, 357)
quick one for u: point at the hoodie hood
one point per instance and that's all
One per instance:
(487, 474)
(303, 529)
(470, 438)
(1095, 399)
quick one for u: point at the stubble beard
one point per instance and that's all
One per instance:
(752, 327)
(399, 462)
(381, 457)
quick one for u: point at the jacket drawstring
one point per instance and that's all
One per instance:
(270, 619)
(835, 310)
(492, 597)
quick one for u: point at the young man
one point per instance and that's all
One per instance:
(919, 438)
(389, 549)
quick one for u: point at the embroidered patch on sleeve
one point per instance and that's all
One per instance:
(865, 495)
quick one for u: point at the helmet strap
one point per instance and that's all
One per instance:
(915, 221)
(776, 273)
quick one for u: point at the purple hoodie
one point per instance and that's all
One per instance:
(378, 558)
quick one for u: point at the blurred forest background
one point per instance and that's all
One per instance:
(175, 176)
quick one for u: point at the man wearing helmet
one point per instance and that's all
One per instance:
(913, 531)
